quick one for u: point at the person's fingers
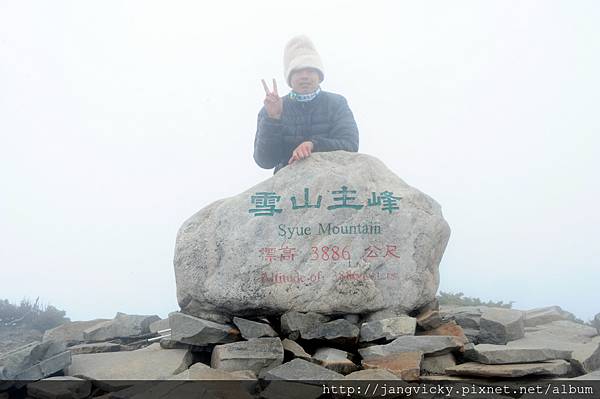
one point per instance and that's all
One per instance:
(265, 87)
(308, 148)
(301, 152)
(275, 87)
(271, 100)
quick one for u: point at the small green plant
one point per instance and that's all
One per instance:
(33, 315)
(458, 299)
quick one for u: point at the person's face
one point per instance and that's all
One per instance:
(305, 80)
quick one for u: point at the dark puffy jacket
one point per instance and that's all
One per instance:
(327, 121)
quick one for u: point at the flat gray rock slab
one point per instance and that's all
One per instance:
(253, 329)
(568, 336)
(465, 316)
(297, 323)
(256, 354)
(429, 319)
(295, 349)
(534, 317)
(195, 331)
(150, 363)
(499, 326)
(502, 354)
(123, 325)
(98, 347)
(335, 359)
(159, 325)
(388, 328)
(299, 369)
(340, 330)
(72, 332)
(428, 344)
(550, 368)
(253, 250)
(566, 330)
(586, 357)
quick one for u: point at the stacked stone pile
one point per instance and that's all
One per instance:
(429, 345)
(60, 346)
(503, 338)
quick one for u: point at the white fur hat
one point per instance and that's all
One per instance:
(300, 53)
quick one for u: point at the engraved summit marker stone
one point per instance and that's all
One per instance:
(335, 233)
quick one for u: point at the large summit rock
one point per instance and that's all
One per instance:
(335, 233)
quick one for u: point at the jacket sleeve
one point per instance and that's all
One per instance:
(268, 144)
(343, 134)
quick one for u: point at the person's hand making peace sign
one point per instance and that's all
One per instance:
(273, 103)
(274, 108)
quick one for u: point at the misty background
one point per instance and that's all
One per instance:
(120, 119)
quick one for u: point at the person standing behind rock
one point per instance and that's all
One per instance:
(305, 120)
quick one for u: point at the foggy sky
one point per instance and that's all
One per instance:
(120, 119)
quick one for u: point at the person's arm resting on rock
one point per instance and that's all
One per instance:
(343, 135)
